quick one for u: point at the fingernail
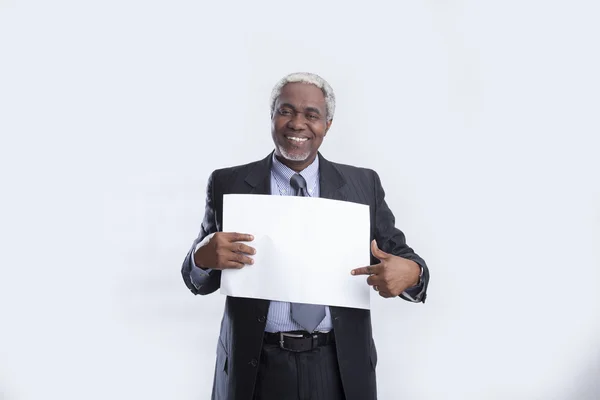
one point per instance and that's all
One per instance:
(352, 272)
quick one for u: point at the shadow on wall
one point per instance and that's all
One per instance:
(587, 384)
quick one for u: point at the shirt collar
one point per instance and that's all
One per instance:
(284, 173)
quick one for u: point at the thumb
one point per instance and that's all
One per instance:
(377, 252)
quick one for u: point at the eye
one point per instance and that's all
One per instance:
(285, 112)
(314, 117)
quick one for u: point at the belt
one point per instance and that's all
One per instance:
(299, 341)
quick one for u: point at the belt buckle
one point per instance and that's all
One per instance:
(313, 336)
(283, 335)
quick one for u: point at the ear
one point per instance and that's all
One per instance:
(328, 126)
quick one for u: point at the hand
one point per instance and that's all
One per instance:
(223, 251)
(392, 276)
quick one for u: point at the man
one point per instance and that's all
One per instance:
(271, 350)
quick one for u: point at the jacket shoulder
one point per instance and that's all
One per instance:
(229, 173)
(356, 172)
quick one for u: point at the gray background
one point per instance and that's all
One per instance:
(481, 118)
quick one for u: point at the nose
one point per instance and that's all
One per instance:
(297, 122)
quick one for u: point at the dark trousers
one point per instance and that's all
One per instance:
(309, 375)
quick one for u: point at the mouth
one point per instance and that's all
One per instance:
(296, 139)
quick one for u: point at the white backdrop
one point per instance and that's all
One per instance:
(481, 118)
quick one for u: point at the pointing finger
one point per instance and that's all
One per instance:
(371, 269)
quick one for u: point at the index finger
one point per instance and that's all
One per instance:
(239, 237)
(371, 269)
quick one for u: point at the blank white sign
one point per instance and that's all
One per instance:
(305, 249)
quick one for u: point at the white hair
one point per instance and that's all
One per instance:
(306, 77)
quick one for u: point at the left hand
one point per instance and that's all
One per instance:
(392, 276)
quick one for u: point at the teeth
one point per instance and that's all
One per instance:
(296, 139)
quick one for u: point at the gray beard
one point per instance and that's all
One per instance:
(293, 157)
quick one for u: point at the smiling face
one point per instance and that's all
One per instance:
(299, 124)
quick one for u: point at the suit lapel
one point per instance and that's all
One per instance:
(331, 181)
(259, 177)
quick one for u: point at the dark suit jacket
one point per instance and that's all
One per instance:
(243, 323)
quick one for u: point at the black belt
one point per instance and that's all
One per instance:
(299, 341)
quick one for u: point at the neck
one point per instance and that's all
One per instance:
(297, 166)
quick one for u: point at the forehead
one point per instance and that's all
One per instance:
(302, 95)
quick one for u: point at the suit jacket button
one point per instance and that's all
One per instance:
(253, 362)
(262, 318)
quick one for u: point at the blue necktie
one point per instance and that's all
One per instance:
(309, 316)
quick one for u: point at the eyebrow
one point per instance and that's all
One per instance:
(307, 109)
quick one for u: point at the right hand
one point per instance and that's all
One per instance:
(223, 251)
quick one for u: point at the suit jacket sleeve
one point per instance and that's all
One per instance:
(205, 282)
(391, 240)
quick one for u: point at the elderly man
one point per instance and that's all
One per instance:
(270, 350)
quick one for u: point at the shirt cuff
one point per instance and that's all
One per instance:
(198, 275)
(415, 293)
